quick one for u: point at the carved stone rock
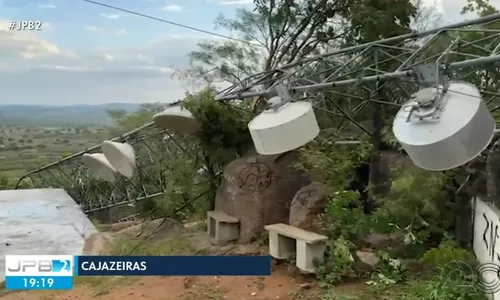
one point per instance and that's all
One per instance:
(258, 191)
(308, 206)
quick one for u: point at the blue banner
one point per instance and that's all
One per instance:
(172, 265)
(38, 282)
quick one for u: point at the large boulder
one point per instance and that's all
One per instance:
(308, 206)
(258, 191)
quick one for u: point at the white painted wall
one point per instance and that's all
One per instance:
(487, 239)
(41, 222)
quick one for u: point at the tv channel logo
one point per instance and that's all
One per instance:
(39, 265)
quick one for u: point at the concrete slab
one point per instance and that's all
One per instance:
(41, 222)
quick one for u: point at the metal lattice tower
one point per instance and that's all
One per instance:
(341, 83)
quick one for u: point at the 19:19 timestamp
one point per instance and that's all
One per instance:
(38, 282)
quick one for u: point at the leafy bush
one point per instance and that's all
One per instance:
(338, 262)
(446, 253)
(331, 164)
(419, 205)
(224, 134)
(389, 271)
(345, 216)
(441, 288)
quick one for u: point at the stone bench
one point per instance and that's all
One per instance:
(287, 241)
(222, 227)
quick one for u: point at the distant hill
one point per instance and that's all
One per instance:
(61, 115)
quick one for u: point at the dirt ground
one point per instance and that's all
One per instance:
(281, 285)
(285, 282)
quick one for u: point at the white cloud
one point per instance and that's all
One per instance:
(92, 28)
(55, 75)
(172, 8)
(46, 6)
(108, 56)
(64, 68)
(161, 70)
(26, 45)
(144, 59)
(450, 9)
(109, 16)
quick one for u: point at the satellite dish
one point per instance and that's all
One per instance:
(177, 119)
(448, 136)
(98, 164)
(284, 129)
(121, 156)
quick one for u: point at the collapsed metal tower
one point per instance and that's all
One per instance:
(342, 83)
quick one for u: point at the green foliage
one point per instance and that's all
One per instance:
(332, 164)
(373, 20)
(345, 221)
(181, 186)
(124, 121)
(5, 183)
(224, 134)
(481, 7)
(338, 262)
(417, 203)
(276, 31)
(66, 154)
(345, 216)
(389, 271)
(446, 253)
(445, 288)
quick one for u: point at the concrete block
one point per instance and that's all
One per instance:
(280, 246)
(222, 227)
(287, 241)
(307, 254)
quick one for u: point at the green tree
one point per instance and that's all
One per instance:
(66, 154)
(276, 32)
(5, 183)
(124, 121)
(223, 135)
(373, 20)
(370, 21)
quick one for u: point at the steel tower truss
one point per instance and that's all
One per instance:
(385, 72)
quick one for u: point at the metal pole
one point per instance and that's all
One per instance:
(477, 21)
(388, 76)
(150, 124)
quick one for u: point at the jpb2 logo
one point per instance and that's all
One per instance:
(38, 265)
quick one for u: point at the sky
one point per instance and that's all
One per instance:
(87, 54)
